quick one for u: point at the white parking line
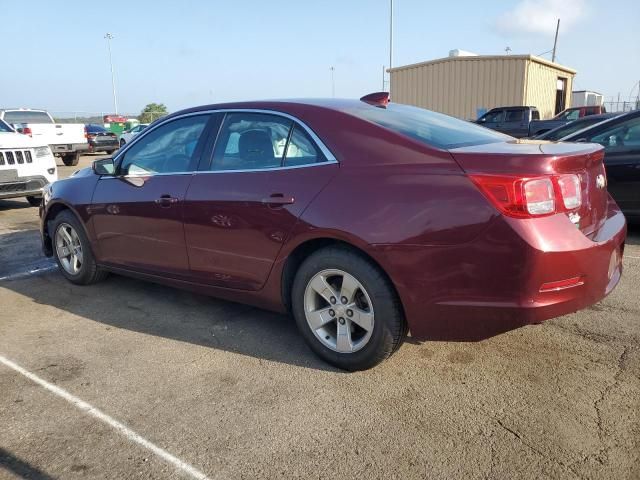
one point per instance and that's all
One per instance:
(94, 412)
(28, 273)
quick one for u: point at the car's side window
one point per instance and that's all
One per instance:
(535, 115)
(494, 117)
(251, 141)
(301, 150)
(620, 138)
(169, 148)
(514, 115)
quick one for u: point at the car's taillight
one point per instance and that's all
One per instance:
(526, 197)
(539, 198)
(570, 190)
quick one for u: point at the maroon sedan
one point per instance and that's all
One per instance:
(364, 219)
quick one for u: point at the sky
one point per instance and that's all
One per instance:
(185, 53)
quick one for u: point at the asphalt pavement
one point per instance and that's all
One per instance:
(127, 379)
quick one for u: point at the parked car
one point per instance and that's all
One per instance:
(26, 165)
(128, 135)
(620, 137)
(568, 128)
(569, 115)
(364, 219)
(100, 139)
(513, 121)
(66, 140)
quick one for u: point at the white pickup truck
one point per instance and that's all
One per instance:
(67, 140)
(26, 165)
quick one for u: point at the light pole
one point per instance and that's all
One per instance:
(391, 34)
(333, 81)
(109, 37)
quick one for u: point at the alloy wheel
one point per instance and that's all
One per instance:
(339, 311)
(69, 248)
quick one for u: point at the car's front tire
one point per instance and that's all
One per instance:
(72, 250)
(346, 309)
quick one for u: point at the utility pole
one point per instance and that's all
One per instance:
(333, 81)
(391, 34)
(555, 43)
(109, 37)
(383, 78)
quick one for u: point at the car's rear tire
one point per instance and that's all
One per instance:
(72, 250)
(71, 159)
(34, 201)
(347, 309)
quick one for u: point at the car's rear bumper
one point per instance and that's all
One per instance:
(64, 148)
(101, 146)
(493, 284)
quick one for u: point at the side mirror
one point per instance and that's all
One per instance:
(104, 166)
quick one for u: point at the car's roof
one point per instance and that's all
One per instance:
(337, 104)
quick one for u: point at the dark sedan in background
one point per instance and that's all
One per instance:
(364, 219)
(100, 139)
(620, 137)
(571, 127)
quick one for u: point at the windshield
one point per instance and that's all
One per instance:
(434, 129)
(26, 116)
(4, 128)
(568, 129)
(95, 129)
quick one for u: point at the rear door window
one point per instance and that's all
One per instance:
(535, 115)
(301, 150)
(514, 115)
(251, 141)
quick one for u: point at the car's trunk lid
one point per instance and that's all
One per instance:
(534, 158)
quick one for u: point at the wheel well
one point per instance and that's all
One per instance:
(304, 250)
(53, 211)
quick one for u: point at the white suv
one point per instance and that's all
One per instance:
(26, 166)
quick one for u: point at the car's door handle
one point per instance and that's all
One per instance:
(278, 199)
(166, 201)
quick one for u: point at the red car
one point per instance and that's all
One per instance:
(364, 219)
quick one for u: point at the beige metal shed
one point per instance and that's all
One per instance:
(464, 86)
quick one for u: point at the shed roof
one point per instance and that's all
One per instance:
(479, 58)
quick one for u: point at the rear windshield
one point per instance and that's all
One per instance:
(434, 129)
(20, 116)
(95, 129)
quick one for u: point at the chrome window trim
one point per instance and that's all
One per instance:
(209, 172)
(331, 159)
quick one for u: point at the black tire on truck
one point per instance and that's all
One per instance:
(34, 201)
(71, 159)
